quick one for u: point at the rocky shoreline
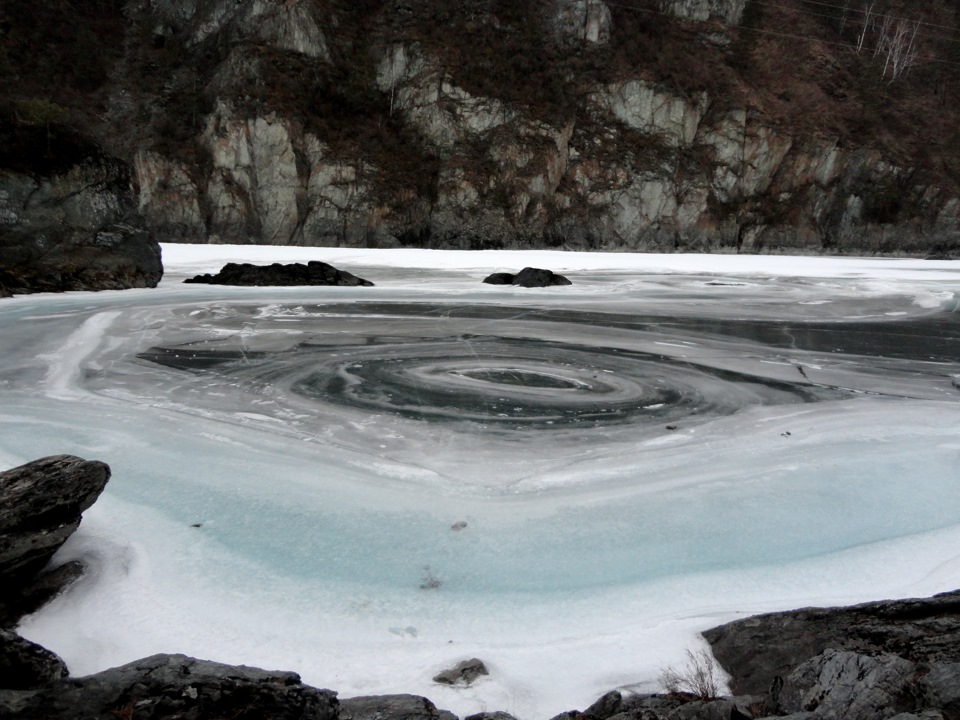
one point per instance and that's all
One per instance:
(889, 659)
(74, 227)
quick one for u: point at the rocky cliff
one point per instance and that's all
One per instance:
(722, 125)
(76, 229)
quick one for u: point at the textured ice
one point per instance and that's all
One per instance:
(368, 485)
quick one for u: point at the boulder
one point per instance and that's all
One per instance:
(168, 686)
(392, 707)
(25, 665)
(40, 506)
(499, 278)
(277, 274)
(463, 673)
(528, 277)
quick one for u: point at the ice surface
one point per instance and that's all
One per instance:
(367, 485)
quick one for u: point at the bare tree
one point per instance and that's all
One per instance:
(699, 677)
(895, 39)
(899, 44)
(884, 31)
(866, 23)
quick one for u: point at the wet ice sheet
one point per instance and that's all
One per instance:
(388, 480)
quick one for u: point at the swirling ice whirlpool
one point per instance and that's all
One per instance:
(488, 379)
(532, 382)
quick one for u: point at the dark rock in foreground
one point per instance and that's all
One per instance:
(676, 706)
(174, 686)
(76, 229)
(861, 662)
(25, 665)
(37, 591)
(392, 707)
(528, 278)
(277, 274)
(758, 649)
(40, 506)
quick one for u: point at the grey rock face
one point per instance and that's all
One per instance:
(77, 230)
(40, 506)
(844, 684)
(168, 686)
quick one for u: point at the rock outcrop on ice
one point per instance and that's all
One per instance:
(528, 277)
(313, 273)
(74, 229)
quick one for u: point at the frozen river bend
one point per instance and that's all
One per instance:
(367, 485)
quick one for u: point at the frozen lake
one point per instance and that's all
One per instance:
(368, 485)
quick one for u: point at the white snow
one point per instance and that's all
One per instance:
(592, 554)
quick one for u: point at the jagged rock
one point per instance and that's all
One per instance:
(675, 706)
(168, 686)
(40, 506)
(849, 685)
(653, 110)
(75, 229)
(606, 706)
(528, 278)
(25, 665)
(463, 673)
(392, 707)
(759, 649)
(313, 273)
(168, 198)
